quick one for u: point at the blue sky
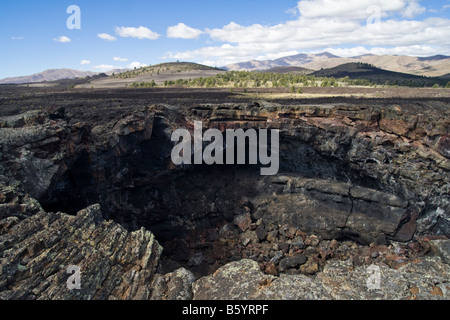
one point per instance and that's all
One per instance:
(34, 35)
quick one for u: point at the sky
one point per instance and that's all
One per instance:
(103, 35)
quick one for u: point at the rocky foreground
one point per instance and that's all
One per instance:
(361, 190)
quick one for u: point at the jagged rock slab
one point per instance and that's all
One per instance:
(37, 251)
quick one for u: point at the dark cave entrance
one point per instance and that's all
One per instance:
(191, 210)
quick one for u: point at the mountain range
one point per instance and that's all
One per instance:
(55, 75)
(434, 66)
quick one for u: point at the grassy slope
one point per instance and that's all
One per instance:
(158, 73)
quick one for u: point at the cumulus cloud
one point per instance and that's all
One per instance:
(412, 10)
(120, 59)
(85, 62)
(136, 65)
(323, 24)
(17, 38)
(106, 67)
(109, 67)
(292, 11)
(62, 39)
(415, 50)
(106, 36)
(139, 33)
(183, 31)
(347, 9)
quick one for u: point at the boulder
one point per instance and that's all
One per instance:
(255, 285)
(173, 286)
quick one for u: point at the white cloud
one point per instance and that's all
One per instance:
(139, 33)
(412, 10)
(109, 67)
(292, 11)
(106, 67)
(136, 65)
(326, 24)
(416, 50)
(120, 59)
(17, 38)
(85, 62)
(62, 39)
(182, 31)
(344, 9)
(106, 36)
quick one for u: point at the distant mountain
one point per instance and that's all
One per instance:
(422, 66)
(48, 75)
(376, 75)
(299, 60)
(54, 75)
(298, 70)
(434, 58)
(428, 66)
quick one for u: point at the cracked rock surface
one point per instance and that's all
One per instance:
(424, 279)
(37, 251)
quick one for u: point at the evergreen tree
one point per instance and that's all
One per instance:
(292, 89)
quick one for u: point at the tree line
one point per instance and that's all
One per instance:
(247, 79)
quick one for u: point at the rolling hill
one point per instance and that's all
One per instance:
(159, 73)
(376, 75)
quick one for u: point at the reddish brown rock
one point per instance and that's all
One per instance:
(243, 221)
(271, 269)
